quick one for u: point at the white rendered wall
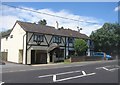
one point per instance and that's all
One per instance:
(15, 44)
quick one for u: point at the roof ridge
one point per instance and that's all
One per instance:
(34, 24)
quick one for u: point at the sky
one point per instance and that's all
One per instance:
(97, 13)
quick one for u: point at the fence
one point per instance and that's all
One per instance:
(4, 56)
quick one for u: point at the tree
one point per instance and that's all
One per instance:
(80, 46)
(107, 38)
(42, 22)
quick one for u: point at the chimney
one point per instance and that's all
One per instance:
(57, 24)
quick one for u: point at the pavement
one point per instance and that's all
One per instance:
(83, 72)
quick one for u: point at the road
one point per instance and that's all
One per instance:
(106, 72)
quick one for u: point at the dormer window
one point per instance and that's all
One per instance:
(57, 39)
(38, 38)
(70, 39)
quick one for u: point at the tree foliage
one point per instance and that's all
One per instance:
(80, 46)
(42, 22)
(107, 38)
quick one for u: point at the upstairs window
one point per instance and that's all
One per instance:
(6, 38)
(57, 39)
(11, 36)
(70, 39)
(38, 38)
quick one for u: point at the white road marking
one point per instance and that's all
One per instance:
(2, 83)
(105, 68)
(59, 74)
(84, 73)
(54, 77)
(45, 76)
(115, 67)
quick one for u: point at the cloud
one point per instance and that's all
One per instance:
(117, 8)
(7, 22)
(10, 15)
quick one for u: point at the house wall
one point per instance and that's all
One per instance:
(18, 42)
(14, 44)
(32, 45)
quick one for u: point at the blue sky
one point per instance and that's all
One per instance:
(98, 12)
(101, 10)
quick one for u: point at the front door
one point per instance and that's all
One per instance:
(33, 58)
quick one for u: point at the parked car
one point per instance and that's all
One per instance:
(102, 54)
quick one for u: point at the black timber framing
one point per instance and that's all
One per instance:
(46, 40)
(36, 45)
(65, 47)
(30, 37)
(39, 44)
(51, 39)
(48, 43)
(29, 47)
(62, 40)
(68, 45)
(57, 35)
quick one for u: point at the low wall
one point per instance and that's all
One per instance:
(4, 56)
(77, 59)
(83, 58)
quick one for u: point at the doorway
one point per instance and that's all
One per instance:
(38, 57)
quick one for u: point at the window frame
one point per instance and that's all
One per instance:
(57, 39)
(11, 36)
(70, 39)
(38, 38)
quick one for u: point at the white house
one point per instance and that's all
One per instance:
(30, 43)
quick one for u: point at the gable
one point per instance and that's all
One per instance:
(17, 30)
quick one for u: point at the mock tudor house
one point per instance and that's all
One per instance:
(30, 43)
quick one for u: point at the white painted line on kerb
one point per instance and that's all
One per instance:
(55, 80)
(59, 74)
(2, 83)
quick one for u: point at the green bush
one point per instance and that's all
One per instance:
(80, 47)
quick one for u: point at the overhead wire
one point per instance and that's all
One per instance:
(50, 14)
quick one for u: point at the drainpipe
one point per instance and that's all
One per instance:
(26, 48)
(23, 44)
